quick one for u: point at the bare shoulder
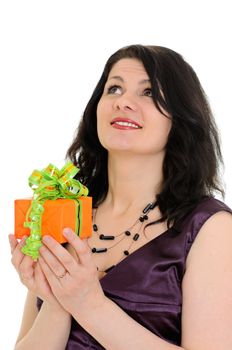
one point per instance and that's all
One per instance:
(207, 287)
(215, 233)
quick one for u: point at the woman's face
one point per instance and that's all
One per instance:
(127, 119)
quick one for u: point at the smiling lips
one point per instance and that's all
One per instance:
(125, 124)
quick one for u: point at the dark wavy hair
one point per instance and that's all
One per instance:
(193, 155)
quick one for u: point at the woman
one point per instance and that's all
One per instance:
(157, 271)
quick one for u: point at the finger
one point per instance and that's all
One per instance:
(39, 273)
(57, 257)
(13, 242)
(52, 279)
(17, 255)
(80, 246)
(26, 268)
(73, 252)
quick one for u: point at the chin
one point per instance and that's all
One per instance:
(113, 144)
(111, 149)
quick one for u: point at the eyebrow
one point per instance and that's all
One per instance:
(144, 81)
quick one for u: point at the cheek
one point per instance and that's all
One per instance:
(158, 130)
(165, 122)
(165, 126)
(98, 110)
(101, 121)
(102, 109)
(100, 115)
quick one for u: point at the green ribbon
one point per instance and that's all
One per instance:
(49, 184)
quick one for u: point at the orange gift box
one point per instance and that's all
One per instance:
(57, 215)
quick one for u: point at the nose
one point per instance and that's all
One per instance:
(125, 102)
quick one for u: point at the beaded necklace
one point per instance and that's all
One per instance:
(131, 231)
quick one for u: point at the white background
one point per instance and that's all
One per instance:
(52, 55)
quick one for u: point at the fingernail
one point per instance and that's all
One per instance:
(46, 239)
(24, 239)
(67, 232)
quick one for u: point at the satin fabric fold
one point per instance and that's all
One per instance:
(147, 284)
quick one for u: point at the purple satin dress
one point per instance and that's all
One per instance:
(147, 283)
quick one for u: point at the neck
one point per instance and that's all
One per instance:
(134, 181)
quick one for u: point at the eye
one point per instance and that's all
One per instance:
(147, 92)
(114, 89)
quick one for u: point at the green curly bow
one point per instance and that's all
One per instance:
(49, 183)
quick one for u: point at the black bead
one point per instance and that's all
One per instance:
(147, 208)
(95, 228)
(145, 217)
(127, 233)
(136, 236)
(99, 250)
(109, 268)
(141, 219)
(126, 252)
(109, 238)
(153, 205)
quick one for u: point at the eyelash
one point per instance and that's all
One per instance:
(119, 87)
(111, 87)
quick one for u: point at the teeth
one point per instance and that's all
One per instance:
(127, 124)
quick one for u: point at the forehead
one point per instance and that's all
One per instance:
(128, 66)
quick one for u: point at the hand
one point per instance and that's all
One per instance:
(73, 279)
(30, 272)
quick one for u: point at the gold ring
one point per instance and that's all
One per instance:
(61, 276)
